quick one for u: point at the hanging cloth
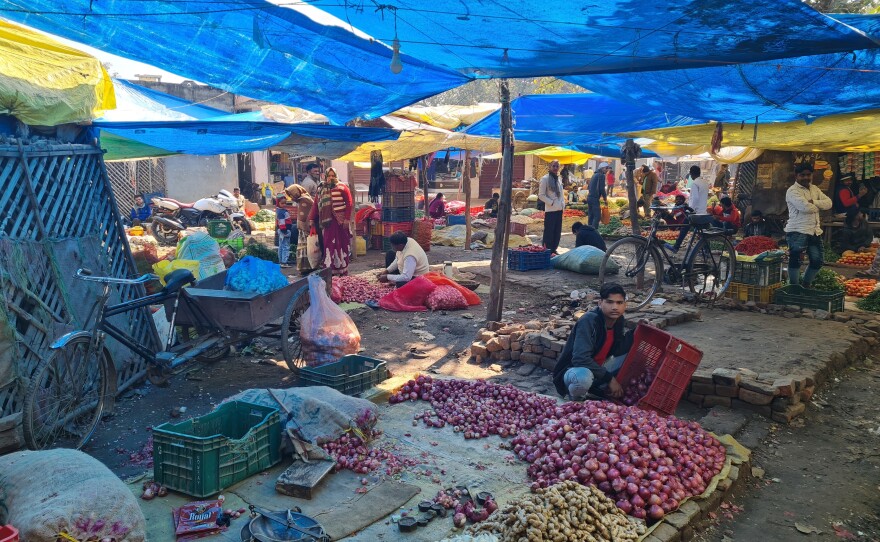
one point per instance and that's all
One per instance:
(377, 176)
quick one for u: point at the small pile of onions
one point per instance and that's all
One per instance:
(645, 462)
(352, 453)
(451, 499)
(637, 387)
(477, 408)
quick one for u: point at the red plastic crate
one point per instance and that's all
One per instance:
(8, 533)
(391, 227)
(360, 228)
(673, 360)
(519, 229)
(399, 183)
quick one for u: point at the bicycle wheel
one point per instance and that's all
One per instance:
(709, 268)
(65, 398)
(635, 265)
(291, 346)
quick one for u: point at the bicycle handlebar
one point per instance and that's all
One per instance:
(86, 274)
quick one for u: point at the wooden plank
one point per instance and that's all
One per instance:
(300, 479)
(29, 191)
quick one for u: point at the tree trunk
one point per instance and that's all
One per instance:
(498, 266)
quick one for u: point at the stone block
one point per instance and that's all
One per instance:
(537, 349)
(525, 369)
(785, 387)
(515, 354)
(747, 373)
(758, 386)
(528, 357)
(517, 336)
(548, 363)
(790, 412)
(807, 393)
(516, 345)
(716, 400)
(510, 328)
(702, 389)
(703, 376)
(696, 399)
(710, 504)
(494, 345)
(691, 509)
(677, 520)
(687, 534)
(727, 391)
(557, 346)
(763, 410)
(533, 324)
(666, 533)
(532, 338)
(547, 340)
(495, 368)
(550, 354)
(726, 377)
(494, 326)
(504, 340)
(755, 398)
(725, 485)
(479, 349)
(484, 335)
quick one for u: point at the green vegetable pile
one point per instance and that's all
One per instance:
(260, 251)
(609, 229)
(264, 215)
(870, 303)
(827, 281)
(831, 255)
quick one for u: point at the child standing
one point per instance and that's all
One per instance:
(284, 224)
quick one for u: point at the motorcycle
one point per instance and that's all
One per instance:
(171, 216)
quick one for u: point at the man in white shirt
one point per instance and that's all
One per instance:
(699, 201)
(312, 179)
(550, 192)
(803, 231)
(409, 260)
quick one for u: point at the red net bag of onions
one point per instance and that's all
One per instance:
(446, 298)
(326, 332)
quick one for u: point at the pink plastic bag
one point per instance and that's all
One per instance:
(326, 332)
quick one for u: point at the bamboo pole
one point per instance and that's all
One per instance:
(498, 266)
(466, 186)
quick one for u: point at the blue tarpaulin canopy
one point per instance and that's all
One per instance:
(296, 54)
(802, 88)
(587, 122)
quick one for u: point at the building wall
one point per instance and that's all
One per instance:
(490, 175)
(190, 177)
(205, 95)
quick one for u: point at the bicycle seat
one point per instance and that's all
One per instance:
(177, 279)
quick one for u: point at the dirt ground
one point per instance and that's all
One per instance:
(823, 470)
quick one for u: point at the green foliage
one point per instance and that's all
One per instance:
(831, 255)
(870, 303)
(609, 229)
(826, 281)
(262, 252)
(264, 215)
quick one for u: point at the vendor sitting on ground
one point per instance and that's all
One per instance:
(140, 212)
(587, 235)
(678, 214)
(856, 233)
(757, 225)
(406, 261)
(491, 206)
(437, 208)
(726, 215)
(595, 349)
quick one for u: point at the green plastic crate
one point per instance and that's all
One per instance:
(804, 298)
(350, 375)
(204, 455)
(219, 229)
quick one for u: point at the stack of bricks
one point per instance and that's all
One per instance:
(781, 398)
(538, 343)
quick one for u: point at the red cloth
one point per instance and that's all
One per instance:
(442, 280)
(602, 355)
(731, 216)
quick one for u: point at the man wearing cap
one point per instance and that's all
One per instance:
(844, 197)
(596, 191)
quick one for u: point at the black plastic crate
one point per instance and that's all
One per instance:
(874, 215)
(350, 375)
(758, 273)
(521, 260)
(804, 298)
(397, 200)
(398, 215)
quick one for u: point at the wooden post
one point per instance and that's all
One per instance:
(466, 186)
(498, 267)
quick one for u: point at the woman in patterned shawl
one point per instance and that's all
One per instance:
(303, 201)
(331, 214)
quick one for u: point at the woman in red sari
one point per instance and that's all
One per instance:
(331, 214)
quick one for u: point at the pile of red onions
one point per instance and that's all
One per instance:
(477, 408)
(645, 462)
(352, 453)
(637, 387)
(464, 507)
(358, 289)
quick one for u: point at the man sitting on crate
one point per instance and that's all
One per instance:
(595, 349)
(405, 261)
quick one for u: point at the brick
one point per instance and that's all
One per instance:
(525, 369)
(536, 349)
(691, 509)
(666, 533)
(724, 485)
(548, 363)
(494, 326)
(687, 534)
(532, 338)
(702, 389)
(484, 335)
(766, 388)
(517, 336)
(785, 387)
(703, 376)
(504, 340)
(677, 520)
(716, 400)
(727, 391)
(550, 354)
(516, 345)
(557, 346)
(726, 377)
(510, 328)
(528, 357)
(515, 354)
(547, 340)
(763, 410)
(696, 398)
(754, 397)
(493, 345)
(807, 393)
(779, 404)
(791, 412)
(479, 349)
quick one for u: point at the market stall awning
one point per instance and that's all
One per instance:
(449, 117)
(45, 83)
(335, 58)
(806, 87)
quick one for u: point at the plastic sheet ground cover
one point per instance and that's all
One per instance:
(282, 53)
(802, 88)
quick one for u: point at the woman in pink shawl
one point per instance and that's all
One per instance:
(331, 215)
(437, 209)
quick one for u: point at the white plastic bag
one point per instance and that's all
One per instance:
(313, 251)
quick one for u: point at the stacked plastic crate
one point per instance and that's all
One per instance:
(756, 281)
(398, 206)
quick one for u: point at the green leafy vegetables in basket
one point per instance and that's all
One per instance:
(613, 225)
(831, 255)
(262, 252)
(871, 302)
(827, 281)
(264, 215)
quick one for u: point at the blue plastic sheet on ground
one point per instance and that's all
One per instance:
(293, 54)
(802, 88)
(252, 274)
(583, 121)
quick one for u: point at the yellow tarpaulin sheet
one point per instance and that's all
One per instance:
(565, 156)
(449, 117)
(420, 142)
(851, 132)
(45, 83)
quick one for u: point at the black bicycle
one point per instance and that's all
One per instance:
(636, 262)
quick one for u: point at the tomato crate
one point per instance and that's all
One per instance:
(360, 228)
(400, 183)
(749, 292)
(350, 375)
(202, 456)
(407, 214)
(805, 298)
(519, 229)
(521, 260)
(673, 360)
(399, 200)
(389, 228)
(758, 273)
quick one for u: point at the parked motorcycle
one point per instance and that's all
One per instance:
(170, 216)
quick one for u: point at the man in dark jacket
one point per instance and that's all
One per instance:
(587, 235)
(595, 349)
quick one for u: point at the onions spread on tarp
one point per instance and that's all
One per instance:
(350, 452)
(646, 462)
(354, 289)
(476, 408)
